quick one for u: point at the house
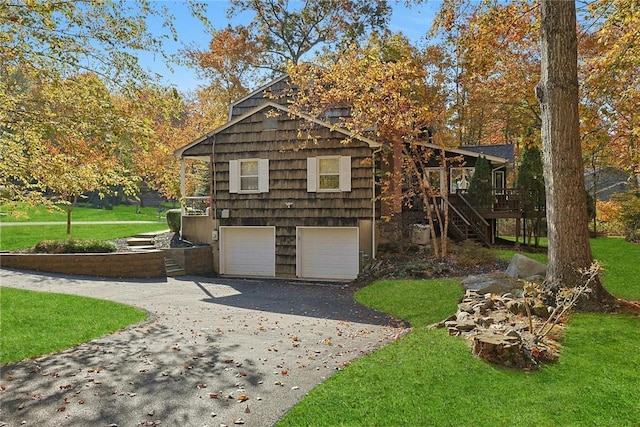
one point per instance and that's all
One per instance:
(283, 205)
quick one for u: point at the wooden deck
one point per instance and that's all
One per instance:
(470, 222)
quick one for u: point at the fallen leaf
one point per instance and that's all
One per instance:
(200, 386)
(284, 372)
(66, 387)
(243, 398)
(213, 395)
(62, 409)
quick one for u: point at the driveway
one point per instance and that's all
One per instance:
(213, 352)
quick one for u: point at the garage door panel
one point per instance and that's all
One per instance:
(248, 251)
(328, 253)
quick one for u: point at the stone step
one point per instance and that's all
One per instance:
(140, 241)
(142, 248)
(172, 268)
(150, 234)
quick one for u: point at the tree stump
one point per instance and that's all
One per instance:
(500, 349)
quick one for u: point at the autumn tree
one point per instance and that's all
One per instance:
(495, 61)
(82, 139)
(286, 34)
(44, 48)
(241, 56)
(568, 235)
(173, 121)
(610, 68)
(384, 86)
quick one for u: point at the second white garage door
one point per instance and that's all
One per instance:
(327, 253)
(248, 251)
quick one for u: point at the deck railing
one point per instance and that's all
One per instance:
(506, 200)
(196, 206)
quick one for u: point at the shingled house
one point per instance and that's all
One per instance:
(284, 206)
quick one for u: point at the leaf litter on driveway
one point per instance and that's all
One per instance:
(266, 344)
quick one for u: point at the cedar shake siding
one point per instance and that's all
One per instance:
(271, 92)
(287, 202)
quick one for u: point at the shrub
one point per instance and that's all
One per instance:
(174, 218)
(630, 214)
(469, 253)
(72, 246)
(480, 187)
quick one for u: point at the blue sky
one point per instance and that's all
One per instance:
(414, 23)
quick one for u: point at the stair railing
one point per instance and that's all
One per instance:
(458, 224)
(477, 223)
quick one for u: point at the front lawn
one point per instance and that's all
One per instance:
(26, 236)
(24, 213)
(37, 323)
(428, 378)
(620, 261)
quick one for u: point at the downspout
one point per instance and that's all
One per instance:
(373, 203)
(214, 202)
(183, 190)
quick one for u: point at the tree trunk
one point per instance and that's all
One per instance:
(557, 92)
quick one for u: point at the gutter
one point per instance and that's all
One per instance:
(373, 202)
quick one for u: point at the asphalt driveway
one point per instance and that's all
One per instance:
(213, 352)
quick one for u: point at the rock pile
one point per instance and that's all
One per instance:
(504, 325)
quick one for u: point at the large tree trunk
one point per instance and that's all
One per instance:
(557, 92)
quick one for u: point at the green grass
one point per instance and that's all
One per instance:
(430, 379)
(118, 213)
(620, 261)
(26, 236)
(37, 323)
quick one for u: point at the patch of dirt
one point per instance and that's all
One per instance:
(421, 265)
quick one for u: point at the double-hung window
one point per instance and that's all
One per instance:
(249, 176)
(329, 174)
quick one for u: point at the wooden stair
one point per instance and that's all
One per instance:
(466, 223)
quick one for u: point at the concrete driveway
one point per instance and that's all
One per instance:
(213, 352)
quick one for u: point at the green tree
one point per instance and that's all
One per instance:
(481, 185)
(530, 184)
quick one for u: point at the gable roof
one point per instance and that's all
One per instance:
(254, 93)
(505, 151)
(270, 104)
(466, 151)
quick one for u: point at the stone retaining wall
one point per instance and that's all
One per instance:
(195, 261)
(116, 264)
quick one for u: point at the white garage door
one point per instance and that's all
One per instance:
(327, 253)
(248, 251)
